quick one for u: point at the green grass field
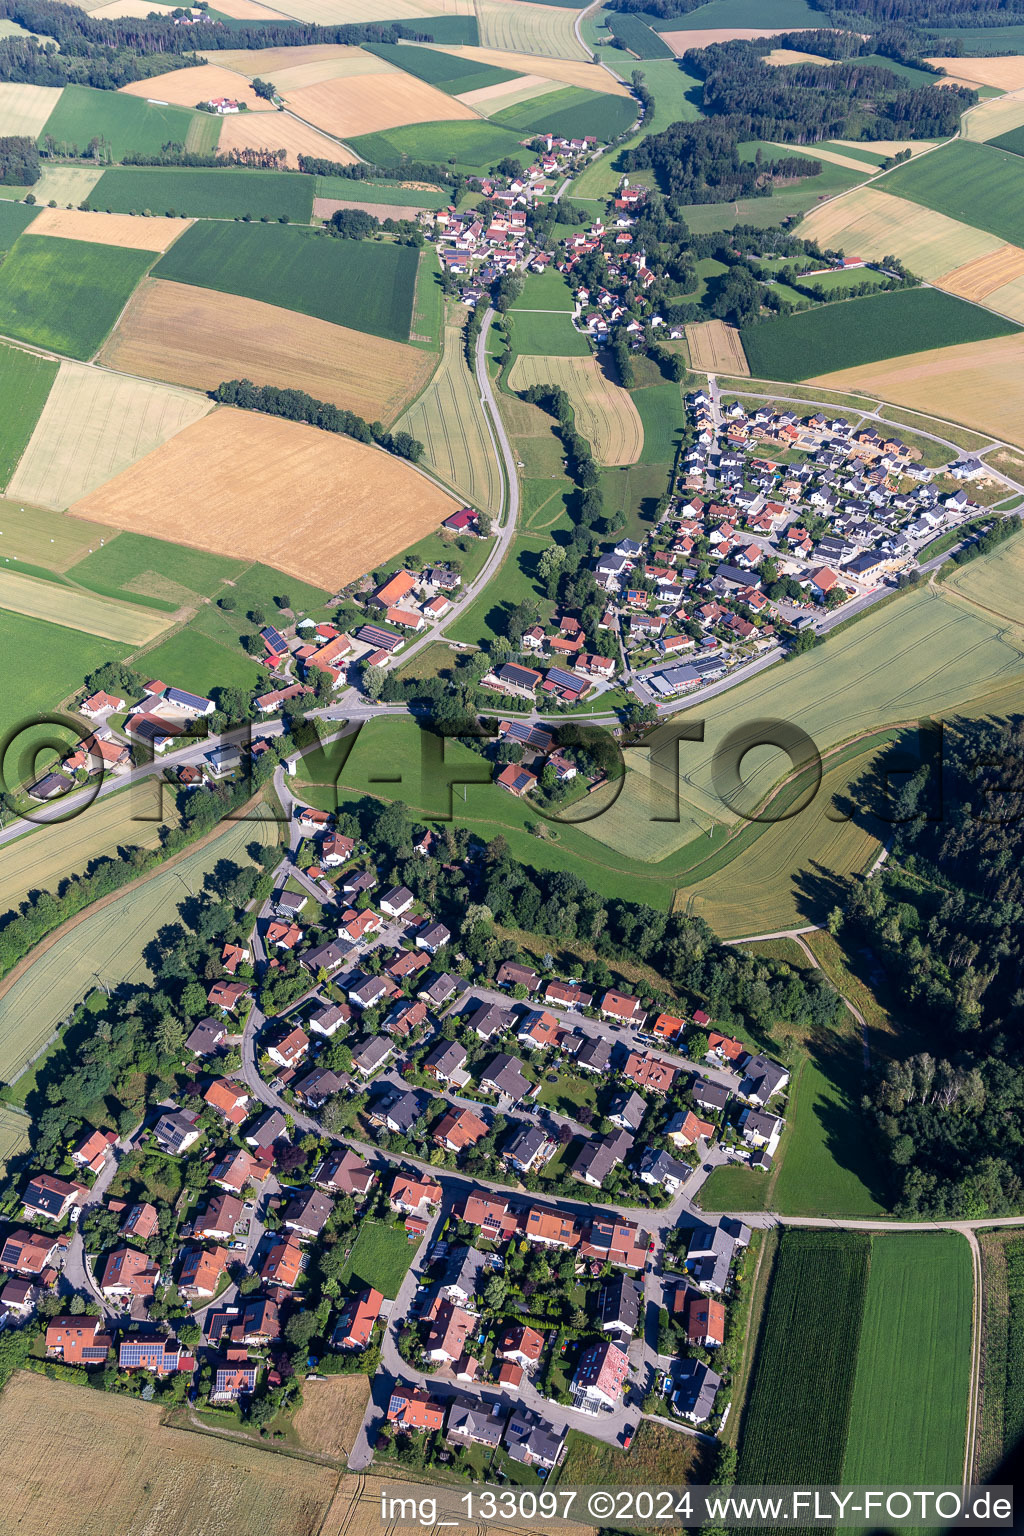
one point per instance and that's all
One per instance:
(571, 113)
(976, 183)
(445, 70)
(380, 1258)
(1002, 1404)
(127, 123)
(1012, 142)
(379, 192)
(14, 220)
(806, 1359)
(464, 145)
(111, 941)
(784, 203)
(193, 661)
(865, 331)
(661, 411)
(537, 333)
(829, 1167)
(167, 575)
(45, 663)
(909, 1411)
(25, 382)
(66, 294)
(545, 290)
(638, 37)
(786, 15)
(363, 284)
(212, 194)
(675, 99)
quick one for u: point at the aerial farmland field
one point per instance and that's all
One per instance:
(199, 338)
(447, 71)
(132, 1467)
(816, 1291)
(88, 612)
(150, 570)
(975, 183)
(475, 144)
(605, 412)
(568, 71)
(541, 333)
(187, 87)
(121, 229)
(66, 294)
(324, 508)
(280, 132)
(25, 382)
(361, 104)
(448, 420)
(523, 28)
(113, 938)
(126, 123)
(14, 1137)
(571, 113)
(361, 284)
(61, 657)
(909, 1410)
(872, 223)
(93, 425)
(25, 108)
(863, 331)
(221, 194)
(715, 347)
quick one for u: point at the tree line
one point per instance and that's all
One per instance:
(296, 405)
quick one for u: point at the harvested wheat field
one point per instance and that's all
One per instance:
(1006, 73)
(269, 63)
(331, 1413)
(292, 77)
(81, 1463)
(525, 28)
(94, 425)
(704, 37)
(187, 87)
(88, 612)
(448, 419)
(325, 207)
(872, 224)
(715, 347)
(282, 131)
(886, 147)
(977, 279)
(251, 10)
(24, 109)
(978, 384)
(367, 104)
(780, 56)
(605, 413)
(831, 156)
(1008, 300)
(508, 93)
(123, 229)
(323, 508)
(1000, 114)
(197, 337)
(66, 183)
(590, 77)
(329, 13)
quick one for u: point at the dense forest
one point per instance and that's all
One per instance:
(19, 161)
(700, 163)
(806, 103)
(946, 920)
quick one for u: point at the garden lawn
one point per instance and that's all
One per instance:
(129, 124)
(44, 663)
(25, 382)
(734, 1188)
(66, 294)
(979, 184)
(909, 1413)
(380, 1258)
(545, 290)
(213, 194)
(359, 283)
(857, 331)
(537, 333)
(471, 146)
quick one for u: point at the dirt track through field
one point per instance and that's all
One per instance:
(323, 508)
